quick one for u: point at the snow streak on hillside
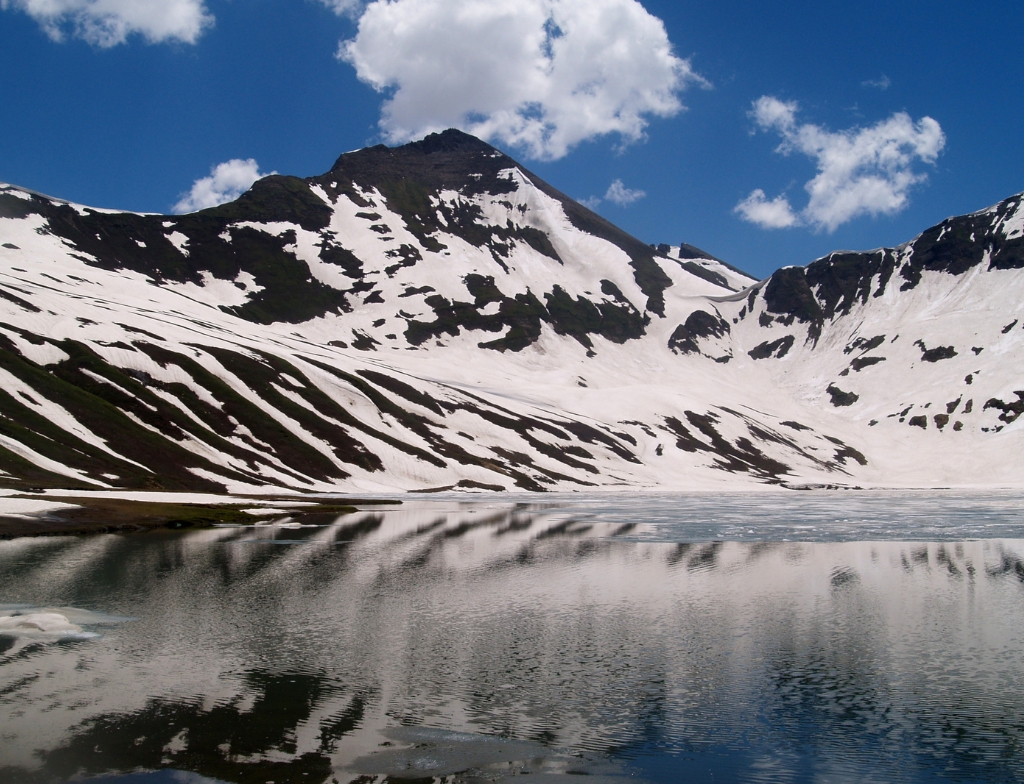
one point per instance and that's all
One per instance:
(436, 316)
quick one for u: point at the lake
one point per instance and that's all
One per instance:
(764, 637)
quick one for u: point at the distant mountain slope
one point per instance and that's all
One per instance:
(927, 336)
(435, 315)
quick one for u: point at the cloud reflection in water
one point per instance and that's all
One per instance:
(765, 660)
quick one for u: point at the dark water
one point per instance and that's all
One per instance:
(453, 641)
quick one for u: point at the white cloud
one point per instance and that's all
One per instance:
(621, 195)
(771, 112)
(344, 7)
(774, 214)
(540, 75)
(861, 171)
(227, 181)
(617, 193)
(106, 23)
(882, 83)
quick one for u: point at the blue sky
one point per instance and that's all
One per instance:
(129, 109)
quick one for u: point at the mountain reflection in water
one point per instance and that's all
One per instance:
(477, 641)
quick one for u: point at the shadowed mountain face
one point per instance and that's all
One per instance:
(434, 315)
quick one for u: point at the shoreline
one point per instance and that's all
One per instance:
(71, 513)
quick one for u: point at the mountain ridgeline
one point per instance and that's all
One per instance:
(435, 316)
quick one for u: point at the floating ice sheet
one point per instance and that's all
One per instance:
(815, 516)
(52, 623)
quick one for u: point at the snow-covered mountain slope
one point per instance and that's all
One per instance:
(435, 315)
(919, 346)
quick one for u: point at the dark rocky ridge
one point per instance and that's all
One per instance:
(830, 286)
(126, 241)
(454, 160)
(408, 177)
(698, 325)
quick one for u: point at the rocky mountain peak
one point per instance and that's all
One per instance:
(450, 160)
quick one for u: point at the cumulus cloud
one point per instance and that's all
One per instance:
(106, 23)
(617, 193)
(344, 7)
(227, 181)
(621, 195)
(861, 171)
(774, 214)
(770, 112)
(539, 75)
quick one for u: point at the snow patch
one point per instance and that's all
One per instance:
(178, 240)
(1013, 225)
(216, 291)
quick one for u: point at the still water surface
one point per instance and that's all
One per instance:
(755, 637)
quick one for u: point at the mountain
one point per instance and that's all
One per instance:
(436, 316)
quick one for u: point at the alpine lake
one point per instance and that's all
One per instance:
(760, 636)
